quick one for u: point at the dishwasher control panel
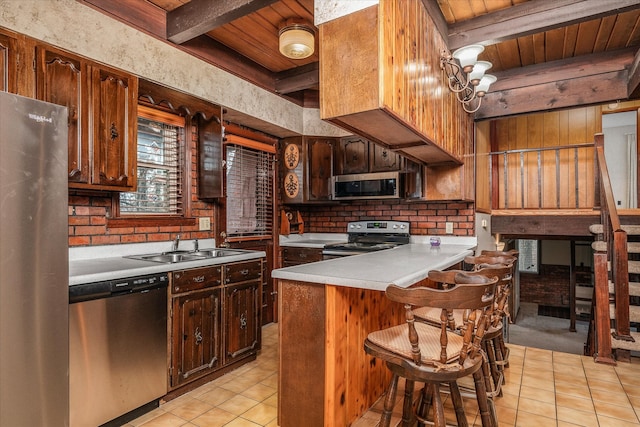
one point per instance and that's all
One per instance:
(110, 288)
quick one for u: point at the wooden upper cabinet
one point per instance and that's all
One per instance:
(115, 101)
(320, 168)
(8, 63)
(102, 106)
(353, 156)
(382, 159)
(62, 79)
(307, 168)
(380, 77)
(210, 155)
(359, 155)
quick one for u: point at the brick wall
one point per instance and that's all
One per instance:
(426, 218)
(88, 224)
(550, 287)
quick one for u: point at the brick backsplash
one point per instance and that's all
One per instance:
(426, 218)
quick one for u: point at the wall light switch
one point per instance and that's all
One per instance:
(448, 227)
(484, 223)
(205, 223)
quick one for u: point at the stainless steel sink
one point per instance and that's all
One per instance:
(184, 256)
(214, 253)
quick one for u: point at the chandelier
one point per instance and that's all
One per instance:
(466, 75)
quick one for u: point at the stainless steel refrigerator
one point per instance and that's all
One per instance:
(34, 279)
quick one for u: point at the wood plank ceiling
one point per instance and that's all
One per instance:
(574, 44)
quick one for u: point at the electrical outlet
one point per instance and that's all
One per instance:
(448, 227)
(205, 223)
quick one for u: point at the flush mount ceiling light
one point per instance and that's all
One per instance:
(466, 75)
(296, 40)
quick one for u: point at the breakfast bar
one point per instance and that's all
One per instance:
(327, 309)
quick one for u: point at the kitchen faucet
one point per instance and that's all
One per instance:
(175, 243)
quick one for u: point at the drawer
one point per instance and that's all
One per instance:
(242, 271)
(197, 278)
(301, 255)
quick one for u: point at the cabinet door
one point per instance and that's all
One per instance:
(354, 156)
(114, 97)
(210, 157)
(242, 320)
(320, 168)
(296, 256)
(195, 338)
(382, 159)
(63, 79)
(8, 63)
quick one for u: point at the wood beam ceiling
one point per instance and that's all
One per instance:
(198, 17)
(531, 17)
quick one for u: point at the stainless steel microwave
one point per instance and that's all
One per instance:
(383, 185)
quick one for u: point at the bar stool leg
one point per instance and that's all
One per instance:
(424, 404)
(456, 398)
(389, 401)
(407, 406)
(438, 408)
(481, 396)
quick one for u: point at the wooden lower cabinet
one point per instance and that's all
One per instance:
(298, 255)
(196, 331)
(215, 322)
(242, 320)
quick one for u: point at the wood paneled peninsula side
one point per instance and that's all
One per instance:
(327, 308)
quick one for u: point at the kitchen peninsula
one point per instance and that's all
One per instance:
(327, 308)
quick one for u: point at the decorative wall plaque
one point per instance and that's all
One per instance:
(291, 156)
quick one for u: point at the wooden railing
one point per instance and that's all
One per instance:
(616, 254)
(559, 177)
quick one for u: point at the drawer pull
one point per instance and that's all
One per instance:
(303, 255)
(244, 272)
(199, 279)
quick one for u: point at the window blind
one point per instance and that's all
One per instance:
(159, 189)
(249, 191)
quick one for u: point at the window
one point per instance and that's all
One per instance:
(160, 156)
(528, 259)
(249, 190)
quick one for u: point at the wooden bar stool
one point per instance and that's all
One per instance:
(493, 373)
(420, 352)
(493, 345)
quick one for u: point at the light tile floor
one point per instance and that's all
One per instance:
(543, 388)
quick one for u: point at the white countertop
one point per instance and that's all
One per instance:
(402, 266)
(312, 240)
(100, 263)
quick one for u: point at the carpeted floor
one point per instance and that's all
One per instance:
(549, 333)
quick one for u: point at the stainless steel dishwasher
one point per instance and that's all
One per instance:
(117, 348)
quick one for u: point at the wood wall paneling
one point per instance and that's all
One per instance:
(552, 179)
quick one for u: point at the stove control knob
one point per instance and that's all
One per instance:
(395, 226)
(359, 226)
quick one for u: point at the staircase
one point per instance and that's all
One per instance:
(621, 301)
(616, 265)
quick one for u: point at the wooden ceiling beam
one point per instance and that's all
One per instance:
(531, 17)
(588, 90)
(633, 89)
(589, 79)
(198, 17)
(305, 77)
(563, 69)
